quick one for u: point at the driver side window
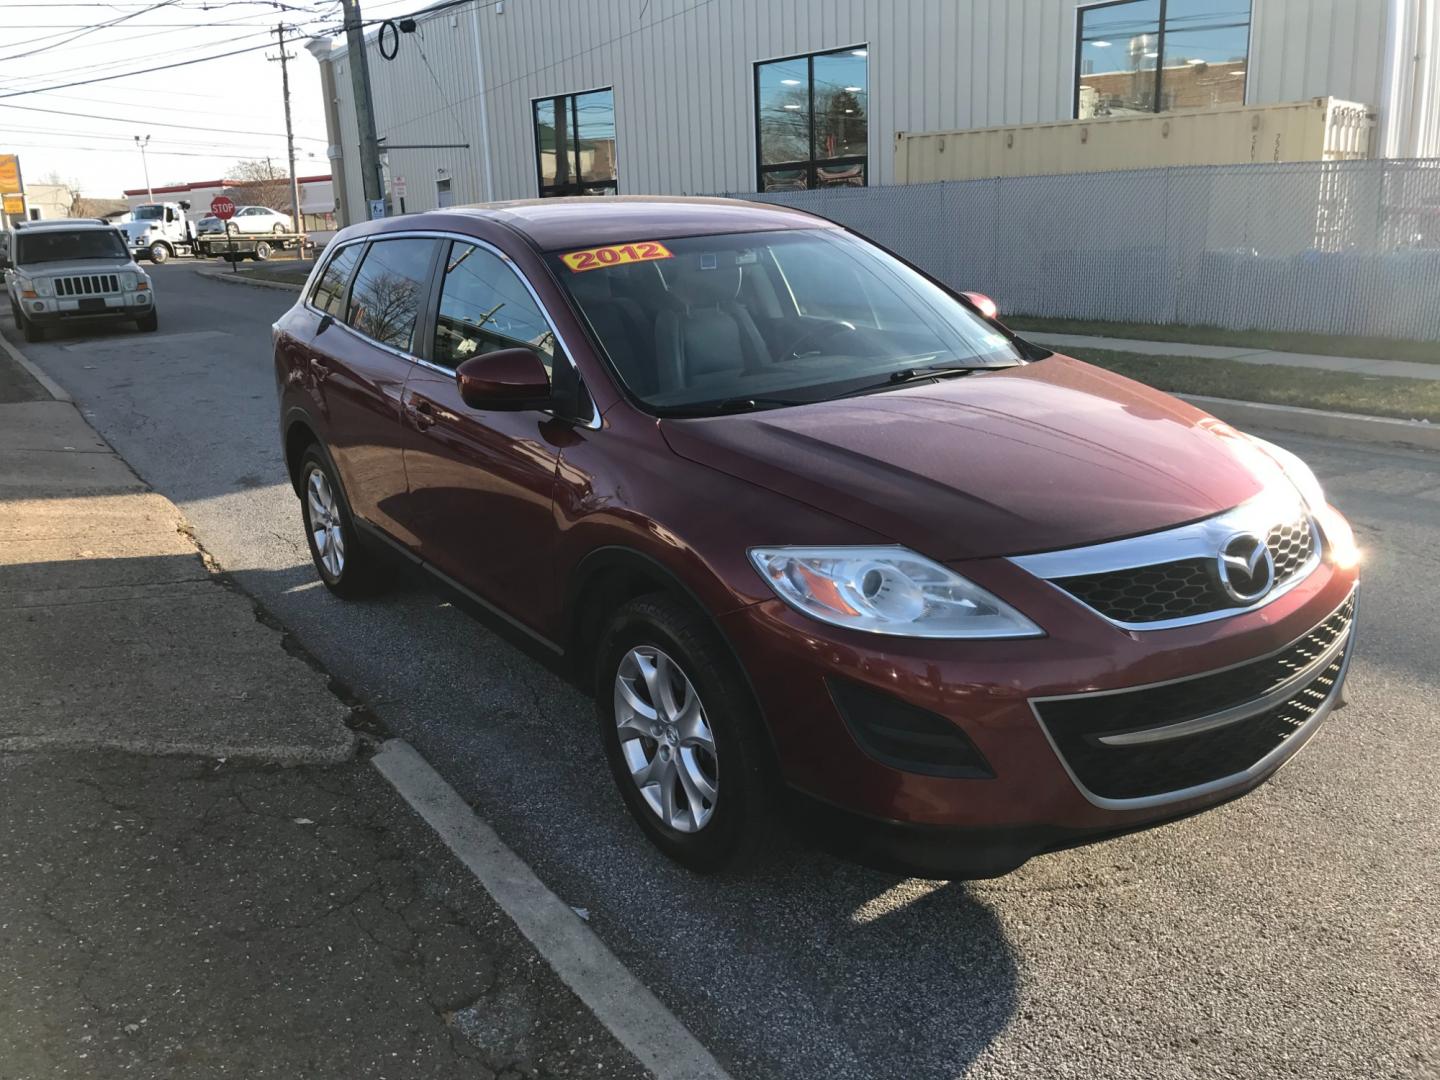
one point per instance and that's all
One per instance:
(484, 306)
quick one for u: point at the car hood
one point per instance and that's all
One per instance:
(1048, 455)
(72, 267)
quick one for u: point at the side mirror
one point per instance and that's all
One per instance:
(509, 379)
(983, 303)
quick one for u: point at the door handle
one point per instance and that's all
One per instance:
(319, 370)
(422, 414)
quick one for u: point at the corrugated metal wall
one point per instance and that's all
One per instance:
(682, 71)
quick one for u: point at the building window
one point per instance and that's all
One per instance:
(812, 124)
(575, 143)
(1146, 56)
(443, 195)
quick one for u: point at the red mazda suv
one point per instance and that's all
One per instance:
(809, 523)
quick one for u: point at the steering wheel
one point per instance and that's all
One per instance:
(817, 335)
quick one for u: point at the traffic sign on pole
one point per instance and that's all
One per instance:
(223, 207)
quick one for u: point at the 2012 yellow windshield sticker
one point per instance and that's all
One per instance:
(598, 258)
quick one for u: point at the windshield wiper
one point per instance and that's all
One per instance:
(923, 374)
(729, 405)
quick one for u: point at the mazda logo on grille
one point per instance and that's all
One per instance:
(1247, 569)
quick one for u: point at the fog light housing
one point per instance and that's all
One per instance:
(905, 736)
(37, 306)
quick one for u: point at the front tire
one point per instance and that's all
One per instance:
(148, 323)
(32, 331)
(682, 735)
(159, 253)
(348, 568)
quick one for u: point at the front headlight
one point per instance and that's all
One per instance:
(887, 590)
(1296, 471)
(128, 281)
(43, 286)
(1341, 548)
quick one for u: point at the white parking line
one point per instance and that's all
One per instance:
(618, 999)
(143, 339)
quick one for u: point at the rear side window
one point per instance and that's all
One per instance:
(484, 306)
(329, 295)
(389, 287)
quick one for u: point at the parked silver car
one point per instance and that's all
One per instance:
(258, 219)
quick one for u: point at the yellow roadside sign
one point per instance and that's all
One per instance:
(9, 174)
(14, 204)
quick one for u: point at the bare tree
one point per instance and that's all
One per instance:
(258, 182)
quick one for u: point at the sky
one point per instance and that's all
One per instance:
(201, 118)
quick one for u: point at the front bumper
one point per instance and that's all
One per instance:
(1035, 793)
(47, 311)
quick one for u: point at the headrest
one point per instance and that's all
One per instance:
(704, 277)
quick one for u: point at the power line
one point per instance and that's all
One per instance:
(211, 128)
(141, 71)
(83, 31)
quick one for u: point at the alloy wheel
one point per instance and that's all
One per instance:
(325, 528)
(665, 739)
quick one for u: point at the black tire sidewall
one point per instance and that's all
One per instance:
(159, 253)
(685, 637)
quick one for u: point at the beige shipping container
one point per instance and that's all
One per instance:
(1321, 129)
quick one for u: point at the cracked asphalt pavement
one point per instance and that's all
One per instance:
(1292, 933)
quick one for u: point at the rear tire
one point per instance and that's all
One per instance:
(348, 567)
(700, 790)
(148, 323)
(262, 251)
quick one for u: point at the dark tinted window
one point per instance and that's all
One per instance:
(389, 286)
(575, 143)
(813, 121)
(56, 245)
(484, 306)
(1142, 56)
(329, 292)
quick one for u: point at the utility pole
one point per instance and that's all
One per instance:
(364, 104)
(295, 219)
(142, 143)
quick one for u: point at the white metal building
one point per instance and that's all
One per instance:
(529, 97)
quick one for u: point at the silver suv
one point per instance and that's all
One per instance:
(74, 270)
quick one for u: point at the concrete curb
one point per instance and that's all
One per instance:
(1371, 429)
(240, 279)
(620, 1001)
(50, 386)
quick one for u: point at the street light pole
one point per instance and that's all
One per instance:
(142, 143)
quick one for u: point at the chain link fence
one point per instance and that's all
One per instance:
(1325, 247)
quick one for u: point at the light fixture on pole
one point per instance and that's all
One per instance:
(141, 144)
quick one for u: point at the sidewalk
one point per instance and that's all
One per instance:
(1400, 369)
(199, 876)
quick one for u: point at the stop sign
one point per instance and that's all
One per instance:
(223, 207)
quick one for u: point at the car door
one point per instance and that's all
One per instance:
(359, 365)
(481, 482)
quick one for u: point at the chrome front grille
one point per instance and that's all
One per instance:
(87, 285)
(1173, 578)
(1185, 587)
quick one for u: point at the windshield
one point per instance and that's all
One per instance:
(769, 319)
(54, 245)
(149, 213)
